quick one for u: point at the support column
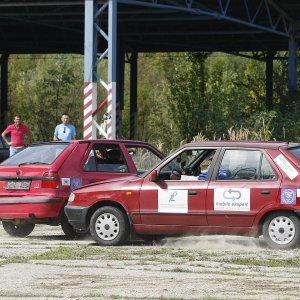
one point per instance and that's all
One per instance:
(292, 67)
(133, 96)
(4, 91)
(90, 57)
(269, 80)
(112, 56)
(120, 86)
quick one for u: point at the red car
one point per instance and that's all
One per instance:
(224, 187)
(35, 184)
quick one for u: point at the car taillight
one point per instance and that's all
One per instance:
(50, 180)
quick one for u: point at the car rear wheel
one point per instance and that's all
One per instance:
(281, 230)
(21, 230)
(109, 226)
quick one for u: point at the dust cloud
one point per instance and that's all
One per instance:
(221, 242)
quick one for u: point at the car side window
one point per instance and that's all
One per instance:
(106, 158)
(188, 165)
(239, 165)
(143, 158)
(245, 165)
(266, 171)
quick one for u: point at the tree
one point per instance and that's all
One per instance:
(50, 86)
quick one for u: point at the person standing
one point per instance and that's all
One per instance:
(64, 131)
(20, 136)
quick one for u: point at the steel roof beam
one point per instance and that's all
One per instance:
(185, 33)
(275, 18)
(39, 3)
(26, 21)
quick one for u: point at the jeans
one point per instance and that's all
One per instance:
(14, 150)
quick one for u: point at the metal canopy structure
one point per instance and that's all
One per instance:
(152, 25)
(111, 28)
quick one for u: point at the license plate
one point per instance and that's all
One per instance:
(18, 185)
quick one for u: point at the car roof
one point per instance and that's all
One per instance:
(114, 141)
(95, 140)
(243, 144)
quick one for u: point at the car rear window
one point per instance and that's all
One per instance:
(36, 154)
(295, 151)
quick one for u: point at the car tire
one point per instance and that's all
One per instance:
(109, 226)
(20, 230)
(281, 230)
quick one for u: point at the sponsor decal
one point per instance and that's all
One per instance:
(286, 166)
(288, 196)
(232, 199)
(75, 183)
(172, 201)
(65, 181)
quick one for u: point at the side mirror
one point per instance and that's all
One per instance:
(154, 176)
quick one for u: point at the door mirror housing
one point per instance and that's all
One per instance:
(154, 176)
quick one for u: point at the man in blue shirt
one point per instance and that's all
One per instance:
(64, 131)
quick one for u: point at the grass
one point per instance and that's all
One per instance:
(14, 295)
(68, 253)
(14, 260)
(285, 263)
(181, 270)
(161, 255)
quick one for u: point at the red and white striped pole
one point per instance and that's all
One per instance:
(88, 111)
(109, 111)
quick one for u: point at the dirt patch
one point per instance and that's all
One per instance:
(46, 266)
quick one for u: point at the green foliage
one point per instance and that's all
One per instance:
(187, 103)
(42, 88)
(182, 97)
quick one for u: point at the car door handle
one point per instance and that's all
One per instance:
(265, 192)
(193, 193)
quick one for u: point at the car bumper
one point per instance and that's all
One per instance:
(77, 217)
(30, 208)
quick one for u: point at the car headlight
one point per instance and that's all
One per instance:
(71, 197)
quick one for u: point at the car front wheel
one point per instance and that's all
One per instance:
(109, 226)
(281, 230)
(21, 230)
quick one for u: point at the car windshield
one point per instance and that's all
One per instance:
(36, 154)
(295, 151)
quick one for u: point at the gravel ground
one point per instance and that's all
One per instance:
(46, 266)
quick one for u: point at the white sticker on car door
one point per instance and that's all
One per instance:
(172, 201)
(232, 199)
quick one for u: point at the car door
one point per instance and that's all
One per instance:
(180, 201)
(104, 161)
(244, 181)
